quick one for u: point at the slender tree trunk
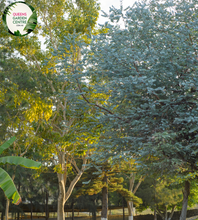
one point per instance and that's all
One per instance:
(2, 214)
(94, 215)
(161, 214)
(94, 210)
(104, 200)
(172, 212)
(31, 209)
(155, 214)
(8, 203)
(7, 209)
(123, 208)
(165, 214)
(131, 186)
(72, 209)
(61, 197)
(130, 209)
(64, 195)
(19, 189)
(186, 193)
(46, 206)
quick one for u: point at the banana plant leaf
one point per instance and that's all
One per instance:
(24, 162)
(7, 144)
(8, 187)
(6, 182)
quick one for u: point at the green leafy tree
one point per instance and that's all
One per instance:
(166, 198)
(55, 121)
(150, 66)
(104, 178)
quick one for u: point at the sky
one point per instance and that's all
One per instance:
(105, 4)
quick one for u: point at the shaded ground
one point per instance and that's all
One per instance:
(113, 217)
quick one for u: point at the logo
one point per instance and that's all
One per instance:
(19, 18)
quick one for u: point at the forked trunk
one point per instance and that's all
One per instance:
(185, 201)
(164, 214)
(63, 195)
(172, 212)
(133, 190)
(62, 177)
(104, 200)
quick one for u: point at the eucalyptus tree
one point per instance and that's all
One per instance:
(148, 71)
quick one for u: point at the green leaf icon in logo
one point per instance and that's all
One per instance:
(17, 33)
(31, 23)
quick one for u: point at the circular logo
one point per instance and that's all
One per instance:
(19, 18)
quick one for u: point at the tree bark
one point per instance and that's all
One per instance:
(94, 215)
(61, 197)
(123, 208)
(7, 209)
(131, 185)
(104, 200)
(130, 209)
(155, 214)
(72, 209)
(165, 213)
(2, 214)
(46, 206)
(172, 212)
(186, 193)
(31, 209)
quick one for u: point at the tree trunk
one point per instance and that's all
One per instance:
(165, 214)
(46, 206)
(72, 209)
(64, 195)
(155, 214)
(130, 209)
(131, 185)
(8, 203)
(123, 208)
(94, 210)
(2, 215)
(61, 197)
(19, 189)
(172, 212)
(104, 200)
(186, 193)
(7, 209)
(31, 209)
(94, 215)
